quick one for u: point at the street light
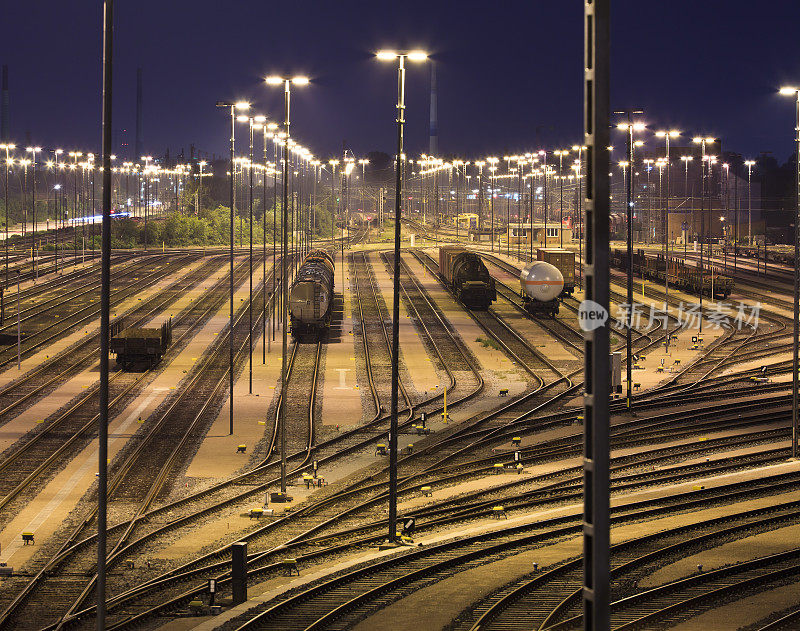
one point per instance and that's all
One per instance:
(241, 106)
(666, 135)
(7, 147)
(33, 151)
(749, 164)
(702, 141)
(417, 56)
(561, 153)
(254, 122)
(493, 162)
(629, 128)
(287, 83)
(792, 91)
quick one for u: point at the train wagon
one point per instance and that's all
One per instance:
(465, 273)
(311, 294)
(140, 348)
(564, 260)
(541, 284)
(681, 276)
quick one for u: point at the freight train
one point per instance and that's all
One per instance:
(542, 284)
(139, 348)
(466, 275)
(681, 276)
(311, 294)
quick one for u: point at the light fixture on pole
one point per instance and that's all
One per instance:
(702, 141)
(792, 91)
(749, 164)
(7, 147)
(241, 106)
(385, 55)
(287, 83)
(629, 127)
(254, 123)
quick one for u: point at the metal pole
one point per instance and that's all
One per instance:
(230, 332)
(264, 254)
(795, 350)
(666, 247)
(629, 215)
(6, 204)
(250, 296)
(561, 199)
(401, 80)
(596, 612)
(284, 281)
(702, 228)
(33, 211)
(274, 229)
(105, 308)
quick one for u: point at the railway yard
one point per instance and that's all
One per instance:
(705, 498)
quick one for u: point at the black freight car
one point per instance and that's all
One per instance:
(311, 294)
(466, 274)
(141, 348)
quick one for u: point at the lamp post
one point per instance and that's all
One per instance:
(492, 169)
(629, 127)
(702, 141)
(750, 164)
(578, 174)
(561, 153)
(7, 147)
(287, 83)
(791, 91)
(254, 122)
(479, 164)
(241, 106)
(666, 135)
(33, 151)
(415, 55)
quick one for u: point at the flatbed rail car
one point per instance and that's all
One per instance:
(564, 261)
(138, 347)
(681, 276)
(465, 273)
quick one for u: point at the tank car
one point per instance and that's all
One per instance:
(542, 284)
(466, 274)
(311, 294)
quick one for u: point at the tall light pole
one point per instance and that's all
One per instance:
(254, 123)
(629, 127)
(7, 147)
(561, 153)
(750, 164)
(33, 151)
(702, 141)
(791, 91)
(492, 169)
(386, 55)
(241, 106)
(578, 174)
(287, 83)
(479, 164)
(666, 134)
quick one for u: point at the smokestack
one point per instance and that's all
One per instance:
(138, 148)
(433, 147)
(4, 131)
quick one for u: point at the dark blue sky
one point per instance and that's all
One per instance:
(509, 72)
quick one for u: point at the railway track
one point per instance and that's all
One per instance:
(156, 453)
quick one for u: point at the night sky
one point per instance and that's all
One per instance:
(509, 73)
